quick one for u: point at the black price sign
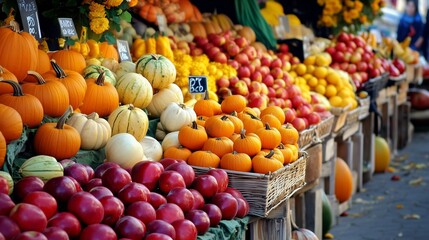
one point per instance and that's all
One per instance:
(29, 17)
(123, 50)
(197, 84)
(67, 27)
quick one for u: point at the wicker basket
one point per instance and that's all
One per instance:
(364, 107)
(340, 117)
(306, 137)
(265, 192)
(324, 128)
(353, 116)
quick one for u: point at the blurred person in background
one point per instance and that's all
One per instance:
(425, 37)
(411, 25)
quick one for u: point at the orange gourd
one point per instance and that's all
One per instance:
(287, 153)
(236, 161)
(238, 124)
(276, 111)
(270, 137)
(6, 75)
(149, 12)
(192, 136)
(108, 51)
(271, 120)
(250, 122)
(201, 120)
(249, 144)
(219, 146)
(277, 154)
(70, 60)
(289, 134)
(197, 17)
(2, 150)
(381, 154)
(179, 153)
(43, 64)
(343, 181)
(266, 163)
(186, 7)
(207, 107)
(219, 126)
(233, 103)
(10, 123)
(197, 29)
(204, 159)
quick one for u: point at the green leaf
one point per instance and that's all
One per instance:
(126, 16)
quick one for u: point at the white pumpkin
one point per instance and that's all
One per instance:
(129, 119)
(125, 67)
(111, 64)
(134, 89)
(177, 115)
(152, 148)
(170, 140)
(161, 99)
(124, 150)
(94, 131)
(160, 132)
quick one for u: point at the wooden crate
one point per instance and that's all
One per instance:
(313, 169)
(393, 118)
(307, 210)
(327, 178)
(402, 92)
(404, 133)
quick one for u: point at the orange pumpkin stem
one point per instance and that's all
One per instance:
(62, 120)
(17, 90)
(270, 154)
(40, 79)
(58, 70)
(267, 126)
(252, 116)
(131, 107)
(281, 146)
(194, 125)
(206, 95)
(234, 114)
(93, 116)
(243, 133)
(100, 79)
(224, 118)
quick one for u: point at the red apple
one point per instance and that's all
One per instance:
(165, 162)
(214, 213)
(55, 233)
(8, 227)
(243, 72)
(232, 49)
(241, 88)
(299, 124)
(115, 179)
(257, 63)
(282, 93)
(356, 57)
(258, 101)
(26, 185)
(255, 87)
(141, 210)
(158, 236)
(268, 80)
(347, 56)
(250, 51)
(98, 231)
(30, 235)
(169, 180)
(44, 201)
(222, 82)
(243, 207)
(266, 61)
(185, 230)
(264, 89)
(343, 37)
(331, 51)
(271, 92)
(241, 42)
(218, 40)
(99, 171)
(351, 68)
(293, 91)
(227, 204)
(319, 108)
(113, 209)
(77, 171)
(133, 192)
(221, 178)
(198, 199)
(185, 170)
(211, 53)
(61, 188)
(95, 182)
(130, 227)
(66, 221)
(276, 63)
(169, 212)
(313, 118)
(341, 47)
(182, 197)
(200, 41)
(196, 51)
(338, 57)
(366, 57)
(86, 207)
(359, 41)
(256, 76)
(147, 173)
(276, 72)
(200, 219)
(162, 227)
(100, 191)
(6, 204)
(361, 66)
(284, 48)
(242, 58)
(28, 217)
(220, 57)
(233, 63)
(207, 47)
(156, 199)
(297, 101)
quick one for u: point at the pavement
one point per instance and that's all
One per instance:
(392, 205)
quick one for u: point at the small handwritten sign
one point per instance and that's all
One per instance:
(162, 22)
(30, 17)
(197, 84)
(67, 27)
(123, 50)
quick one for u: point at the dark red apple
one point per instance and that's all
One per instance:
(77, 171)
(67, 162)
(185, 170)
(167, 162)
(95, 182)
(115, 179)
(169, 180)
(133, 192)
(100, 191)
(161, 226)
(169, 212)
(221, 178)
(214, 213)
(147, 173)
(66, 221)
(313, 118)
(90, 171)
(185, 230)
(55, 233)
(158, 236)
(45, 201)
(26, 185)
(61, 188)
(6, 204)
(182, 197)
(86, 207)
(2, 237)
(206, 185)
(130, 227)
(98, 231)
(76, 184)
(156, 199)
(30, 235)
(234, 192)
(8, 227)
(99, 171)
(141, 210)
(243, 207)
(200, 219)
(28, 217)
(113, 210)
(227, 204)
(198, 199)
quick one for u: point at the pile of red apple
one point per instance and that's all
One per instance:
(154, 200)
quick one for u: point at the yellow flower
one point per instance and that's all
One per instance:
(93, 15)
(350, 3)
(113, 3)
(320, 2)
(96, 7)
(354, 14)
(347, 17)
(363, 19)
(358, 5)
(99, 25)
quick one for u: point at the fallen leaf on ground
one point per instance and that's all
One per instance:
(401, 158)
(421, 165)
(411, 216)
(395, 178)
(391, 169)
(379, 198)
(399, 206)
(329, 236)
(416, 182)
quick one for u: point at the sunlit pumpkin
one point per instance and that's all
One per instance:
(236, 161)
(219, 146)
(204, 159)
(70, 60)
(381, 154)
(10, 123)
(179, 152)
(192, 136)
(247, 143)
(6, 75)
(343, 181)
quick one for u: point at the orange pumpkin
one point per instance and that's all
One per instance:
(343, 181)
(250, 122)
(233, 103)
(10, 123)
(277, 154)
(197, 29)
(270, 137)
(238, 124)
(204, 159)
(271, 120)
(186, 7)
(149, 12)
(207, 107)
(266, 163)
(219, 146)
(249, 144)
(212, 27)
(236, 161)
(179, 153)
(287, 153)
(381, 154)
(201, 120)
(295, 151)
(219, 126)
(276, 111)
(2, 150)
(192, 137)
(289, 134)
(58, 140)
(70, 60)
(43, 64)
(197, 17)
(108, 51)
(6, 75)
